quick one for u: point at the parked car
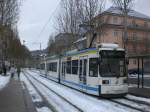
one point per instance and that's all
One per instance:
(134, 71)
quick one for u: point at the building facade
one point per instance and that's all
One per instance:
(109, 27)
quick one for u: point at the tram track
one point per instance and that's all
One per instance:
(57, 94)
(138, 101)
(53, 109)
(141, 105)
(129, 106)
(136, 105)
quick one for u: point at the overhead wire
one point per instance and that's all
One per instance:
(49, 19)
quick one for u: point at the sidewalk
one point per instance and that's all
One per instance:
(142, 92)
(15, 98)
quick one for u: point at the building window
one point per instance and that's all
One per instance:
(93, 67)
(134, 61)
(115, 33)
(145, 24)
(115, 20)
(97, 23)
(134, 36)
(133, 22)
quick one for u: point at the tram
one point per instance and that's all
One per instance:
(99, 71)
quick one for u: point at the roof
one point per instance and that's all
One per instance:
(132, 13)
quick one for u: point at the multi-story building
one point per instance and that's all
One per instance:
(37, 56)
(109, 27)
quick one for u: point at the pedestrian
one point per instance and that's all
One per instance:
(12, 71)
(18, 71)
(4, 70)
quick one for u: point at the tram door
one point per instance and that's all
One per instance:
(82, 71)
(63, 70)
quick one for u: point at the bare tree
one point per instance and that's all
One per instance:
(125, 6)
(16, 52)
(66, 18)
(93, 8)
(9, 14)
(51, 45)
(9, 11)
(74, 12)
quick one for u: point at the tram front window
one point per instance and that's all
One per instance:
(112, 63)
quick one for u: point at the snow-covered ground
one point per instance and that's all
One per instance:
(43, 109)
(34, 95)
(83, 101)
(138, 98)
(4, 80)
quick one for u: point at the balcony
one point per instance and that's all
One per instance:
(137, 52)
(129, 26)
(135, 39)
(138, 27)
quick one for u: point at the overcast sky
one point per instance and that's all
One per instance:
(35, 14)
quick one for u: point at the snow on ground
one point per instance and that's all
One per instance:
(4, 80)
(34, 94)
(134, 104)
(85, 102)
(53, 99)
(138, 98)
(43, 109)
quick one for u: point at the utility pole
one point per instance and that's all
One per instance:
(40, 47)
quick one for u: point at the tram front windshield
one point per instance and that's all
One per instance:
(112, 63)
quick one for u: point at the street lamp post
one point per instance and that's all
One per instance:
(45, 64)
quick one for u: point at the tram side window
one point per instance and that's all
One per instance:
(52, 67)
(68, 67)
(55, 67)
(93, 67)
(75, 67)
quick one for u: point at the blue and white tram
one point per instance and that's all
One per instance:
(98, 71)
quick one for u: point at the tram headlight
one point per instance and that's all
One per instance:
(105, 81)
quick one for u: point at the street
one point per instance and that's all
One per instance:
(73, 99)
(135, 81)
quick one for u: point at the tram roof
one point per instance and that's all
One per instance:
(81, 51)
(71, 53)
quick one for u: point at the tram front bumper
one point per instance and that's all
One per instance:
(114, 89)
